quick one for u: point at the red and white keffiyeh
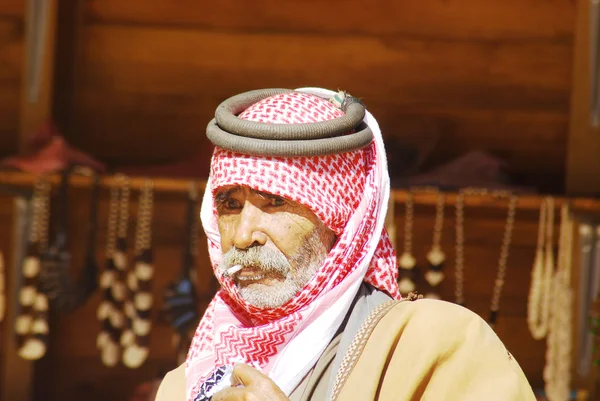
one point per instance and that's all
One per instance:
(349, 193)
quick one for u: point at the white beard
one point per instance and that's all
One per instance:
(308, 260)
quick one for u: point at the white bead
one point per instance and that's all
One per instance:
(32, 350)
(436, 257)
(144, 271)
(406, 286)
(31, 267)
(141, 327)
(120, 260)
(39, 326)
(41, 302)
(143, 301)
(407, 261)
(434, 278)
(134, 356)
(27, 296)
(110, 354)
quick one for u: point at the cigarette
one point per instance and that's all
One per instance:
(233, 269)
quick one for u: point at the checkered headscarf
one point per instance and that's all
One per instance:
(348, 192)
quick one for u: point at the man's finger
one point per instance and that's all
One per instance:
(246, 375)
(257, 382)
(230, 394)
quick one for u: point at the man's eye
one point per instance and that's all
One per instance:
(232, 204)
(276, 201)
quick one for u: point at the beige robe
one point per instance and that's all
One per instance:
(406, 351)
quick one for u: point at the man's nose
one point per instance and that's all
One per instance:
(249, 229)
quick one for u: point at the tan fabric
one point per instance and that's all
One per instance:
(422, 350)
(433, 351)
(172, 387)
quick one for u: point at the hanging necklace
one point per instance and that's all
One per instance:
(459, 267)
(36, 344)
(436, 256)
(140, 285)
(502, 262)
(504, 251)
(540, 292)
(111, 312)
(557, 371)
(407, 262)
(31, 324)
(105, 338)
(119, 288)
(128, 277)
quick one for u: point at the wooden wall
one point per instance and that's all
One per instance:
(11, 61)
(492, 75)
(138, 80)
(7, 248)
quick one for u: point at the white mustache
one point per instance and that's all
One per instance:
(267, 259)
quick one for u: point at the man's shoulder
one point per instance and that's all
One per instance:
(432, 317)
(430, 310)
(413, 338)
(172, 387)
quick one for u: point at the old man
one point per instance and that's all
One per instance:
(309, 307)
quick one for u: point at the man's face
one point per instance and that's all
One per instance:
(279, 243)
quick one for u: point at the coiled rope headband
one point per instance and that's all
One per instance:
(230, 132)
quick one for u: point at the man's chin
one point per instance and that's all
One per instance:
(267, 295)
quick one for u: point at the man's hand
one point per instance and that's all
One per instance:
(254, 386)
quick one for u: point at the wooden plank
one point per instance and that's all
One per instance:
(38, 71)
(489, 201)
(536, 148)
(80, 181)
(454, 20)
(11, 61)
(583, 163)
(504, 63)
(67, 64)
(479, 95)
(12, 8)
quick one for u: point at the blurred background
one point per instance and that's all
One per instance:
(477, 100)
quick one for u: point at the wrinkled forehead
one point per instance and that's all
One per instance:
(228, 191)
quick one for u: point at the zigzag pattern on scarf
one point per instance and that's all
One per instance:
(251, 344)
